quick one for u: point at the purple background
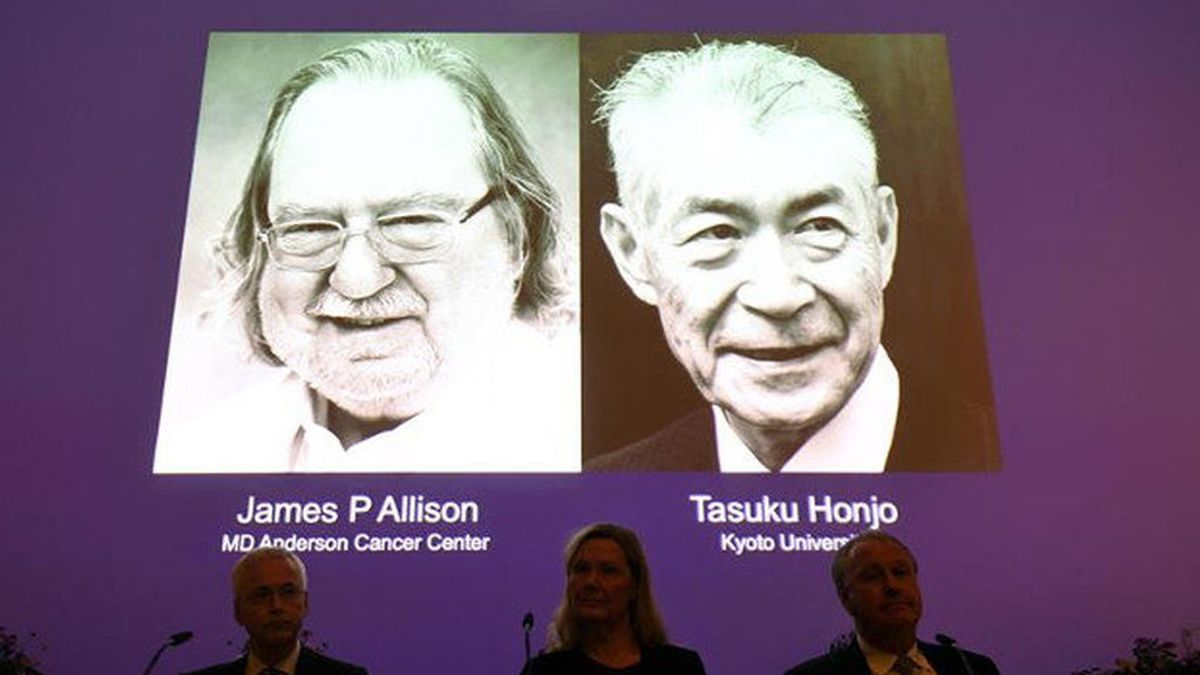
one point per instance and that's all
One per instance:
(1077, 126)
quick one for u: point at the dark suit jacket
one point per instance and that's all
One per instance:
(309, 663)
(660, 660)
(934, 432)
(850, 661)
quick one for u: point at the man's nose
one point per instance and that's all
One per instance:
(774, 284)
(361, 272)
(891, 585)
(275, 602)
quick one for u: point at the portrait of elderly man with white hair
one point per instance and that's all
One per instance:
(398, 262)
(750, 214)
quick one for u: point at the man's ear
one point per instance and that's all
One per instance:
(887, 229)
(626, 244)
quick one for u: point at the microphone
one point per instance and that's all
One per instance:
(950, 643)
(173, 640)
(527, 625)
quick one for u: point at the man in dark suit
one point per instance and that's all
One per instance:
(876, 579)
(270, 600)
(751, 215)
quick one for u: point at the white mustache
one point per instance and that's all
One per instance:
(392, 302)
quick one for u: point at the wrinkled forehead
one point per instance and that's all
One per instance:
(374, 135)
(719, 151)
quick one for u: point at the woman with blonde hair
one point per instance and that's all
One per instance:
(608, 623)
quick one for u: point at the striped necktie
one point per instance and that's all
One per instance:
(904, 665)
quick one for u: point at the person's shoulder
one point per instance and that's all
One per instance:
(687, 444)
(228, 668)
(251, 431)
(673, 659)
(550, 663)
(316, 663)
(664, 659)
(980, 664)
(675, 652)
(846, 660)
(821, 665)
(939, 431)
(947, 659)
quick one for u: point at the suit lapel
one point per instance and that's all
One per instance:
(703, 442)
(943, 660)
(688, 444)
(304, 661)
(853, 661)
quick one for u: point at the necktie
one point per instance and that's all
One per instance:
(904, 665)
(271, 670)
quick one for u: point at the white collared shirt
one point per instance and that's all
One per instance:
(287, 665)
(856, 440)
(881, 662)
(517, 410)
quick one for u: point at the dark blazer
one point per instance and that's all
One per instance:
(309, 663)
(849, 660)
(934, 432)
(660, 660)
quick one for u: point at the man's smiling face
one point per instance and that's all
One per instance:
(373, 335)
(766, 251)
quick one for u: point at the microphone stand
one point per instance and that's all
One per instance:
(526, 627)
(176, 639)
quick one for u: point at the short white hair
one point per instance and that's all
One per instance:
(259, 554)
(764, 82)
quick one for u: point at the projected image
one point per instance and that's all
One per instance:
(379, 267)
(772, 198)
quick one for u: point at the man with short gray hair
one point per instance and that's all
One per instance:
(751, 215)
(270, 600)
(876, 580)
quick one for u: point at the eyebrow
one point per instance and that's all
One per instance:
(831, 194)
(292, 211)
(827, 195)
(438, 200)
(697, 205)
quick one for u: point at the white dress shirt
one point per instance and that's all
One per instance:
(287, 665)
(881, 662)
(856, 440)
(516, 409)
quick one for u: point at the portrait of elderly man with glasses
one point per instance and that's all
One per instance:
(399, 257)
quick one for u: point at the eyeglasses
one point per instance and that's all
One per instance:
(414, 233)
